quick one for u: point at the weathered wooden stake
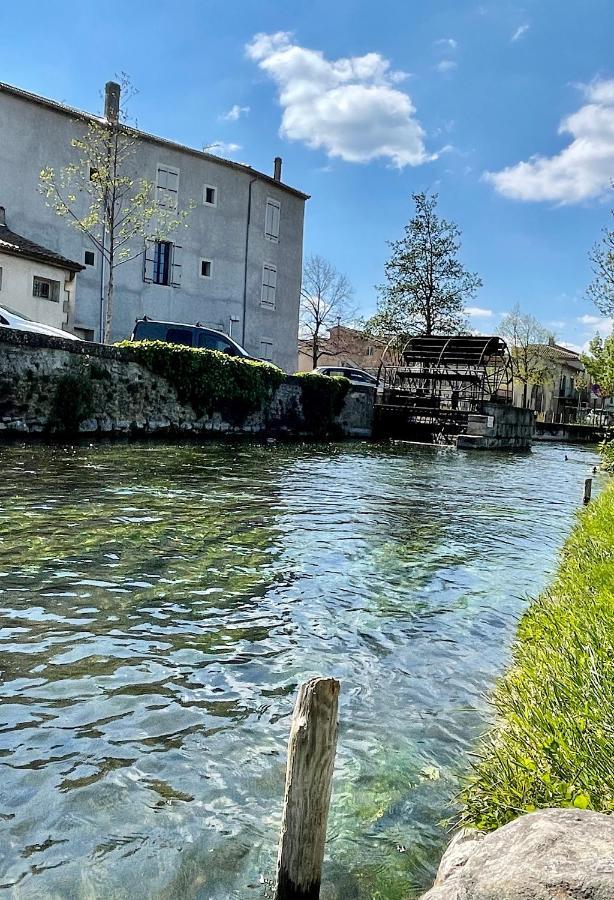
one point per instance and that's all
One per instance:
(309, 774)
(588, 487)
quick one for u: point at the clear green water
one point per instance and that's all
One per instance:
(159, 605)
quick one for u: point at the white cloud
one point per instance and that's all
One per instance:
(477, 312)
(446, 65)
(235, 112)
(522, 29)
(447, 42)
(221, 148)
(348, 107)
(603, 325)
(581, 170)
(589, 320)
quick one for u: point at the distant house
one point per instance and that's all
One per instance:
(34, 281)
(345, 347)
(564, 395)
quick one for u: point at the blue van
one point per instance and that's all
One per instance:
(188, 335)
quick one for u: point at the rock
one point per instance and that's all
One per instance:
(552, 854)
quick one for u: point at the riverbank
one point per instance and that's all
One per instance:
(552, 743)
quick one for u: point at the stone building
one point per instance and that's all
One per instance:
(563, 395)
(238, 260)
(35, 281)
(345, 346)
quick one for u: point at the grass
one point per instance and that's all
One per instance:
(552, 742)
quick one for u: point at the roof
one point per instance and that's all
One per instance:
(202, 154)
(557, 352)
(466, 349)
(16, 245)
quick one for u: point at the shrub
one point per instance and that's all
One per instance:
(606, 448)
(208, 380)
(552, 742)
(323, 397)
(73, 399)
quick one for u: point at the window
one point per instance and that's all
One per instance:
(211, 341)
(46, 289)
(167, 186)
(266, 349)
(89, 258)
(205, 268)
(369, 351)
(210, 195)
(269, 285)
(271, 220)
(180, 336)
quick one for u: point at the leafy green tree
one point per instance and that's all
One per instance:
(100, 195)
(427, 286)
(528, 341)
(599, 363)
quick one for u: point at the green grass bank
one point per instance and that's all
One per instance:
(552, 743)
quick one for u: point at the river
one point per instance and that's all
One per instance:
(159, 605)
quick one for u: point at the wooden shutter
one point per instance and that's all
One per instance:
(177, 253)
(148, 261)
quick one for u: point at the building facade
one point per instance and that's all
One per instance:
(35, 281)
(345, 346)
(235, 265)
(563, 395)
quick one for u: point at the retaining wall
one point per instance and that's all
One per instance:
(498, 427)
(128, 398)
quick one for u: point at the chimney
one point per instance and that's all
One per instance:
(112, 90)
(277, 168)
(551, 340)
(2, 216)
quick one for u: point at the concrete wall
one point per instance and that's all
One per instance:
(128, 398)
(16, 290)
(215, 233)
(498, 427)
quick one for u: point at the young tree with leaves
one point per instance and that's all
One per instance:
(599, 363)
(326, 297)
(100, 195)
(427, 286)
(528, 342)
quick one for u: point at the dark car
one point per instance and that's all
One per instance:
(188, 335)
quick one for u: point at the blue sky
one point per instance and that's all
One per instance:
(367, 102)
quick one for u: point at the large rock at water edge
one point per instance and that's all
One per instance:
(553, 854)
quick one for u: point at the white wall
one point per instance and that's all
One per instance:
(16, 290)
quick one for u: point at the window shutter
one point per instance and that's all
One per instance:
(176, 261)
(275, 221)
(148, 261)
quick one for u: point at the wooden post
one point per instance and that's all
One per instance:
(588, 486)
(309, 773)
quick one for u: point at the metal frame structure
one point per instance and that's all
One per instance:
(446, 373)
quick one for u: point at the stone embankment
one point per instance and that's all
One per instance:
(124, 397)
(553, 854)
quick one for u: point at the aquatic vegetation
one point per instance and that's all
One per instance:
(552, 742)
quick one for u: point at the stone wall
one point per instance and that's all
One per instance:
(498, 427)
(128, 399)
(570, 432)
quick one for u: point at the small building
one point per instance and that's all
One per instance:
(34, 281)
(345, 346)
(563, 395)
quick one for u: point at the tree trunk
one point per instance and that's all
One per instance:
(108, 313)
(524, 395)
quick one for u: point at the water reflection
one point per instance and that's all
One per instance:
(159, 606)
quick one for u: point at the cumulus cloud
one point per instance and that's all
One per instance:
(222, 148)
(450, 43)
(348, 107)
(522, 29)
(583, 169)
(446, 65)
(478, 312)
(235, 112)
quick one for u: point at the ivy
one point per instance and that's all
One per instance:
(209, 381)
(73, 399)
(323, 397)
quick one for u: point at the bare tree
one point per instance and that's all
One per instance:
(326, 297)
(100, 195)
(427, 285)
(601, 289)
(528, 340)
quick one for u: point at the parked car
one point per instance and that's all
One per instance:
(356, 376)
(188, 335)
(10, 318)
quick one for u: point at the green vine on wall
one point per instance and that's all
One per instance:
(208, 380)
(323, 398)
(73, 398)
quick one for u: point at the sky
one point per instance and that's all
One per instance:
(504, 108)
